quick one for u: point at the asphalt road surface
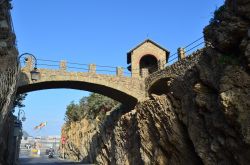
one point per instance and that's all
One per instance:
(44, 160)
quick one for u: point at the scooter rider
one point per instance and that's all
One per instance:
(51, 152)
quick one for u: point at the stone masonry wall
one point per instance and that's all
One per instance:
(145, 49)
(175, 70)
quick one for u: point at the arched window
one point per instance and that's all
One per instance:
(150, 62)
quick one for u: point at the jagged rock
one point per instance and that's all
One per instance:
(163, 137)
(227, 28)
(235, 99)
(245, 48)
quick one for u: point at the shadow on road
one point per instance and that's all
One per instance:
(37, 161)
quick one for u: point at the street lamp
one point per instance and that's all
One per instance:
(19, 113)
(35, 75)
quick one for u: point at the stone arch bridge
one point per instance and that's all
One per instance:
(128, 90)
(124, 89)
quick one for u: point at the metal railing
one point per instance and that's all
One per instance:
(105, 69)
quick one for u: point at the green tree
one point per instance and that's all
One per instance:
(99, 105)
(72, 113)
(83, 107)
(89, 107)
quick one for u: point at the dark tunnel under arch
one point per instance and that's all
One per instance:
(160, 86)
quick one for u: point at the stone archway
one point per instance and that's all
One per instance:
(149, 62)
(160, 87)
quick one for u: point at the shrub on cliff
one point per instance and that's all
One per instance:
(18, 102)
(72, 112)
(90, 107)
(98, 105)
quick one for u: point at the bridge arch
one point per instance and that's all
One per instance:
(160, 86)
(79, 85)
(126, 90)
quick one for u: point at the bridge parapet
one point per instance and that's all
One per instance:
(63, 65)
(175, 70)
(92, 68)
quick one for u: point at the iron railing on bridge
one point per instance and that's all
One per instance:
(112, 70)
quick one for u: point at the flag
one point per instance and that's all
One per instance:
(40, 126)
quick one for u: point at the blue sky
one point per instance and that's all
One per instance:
(100, 32)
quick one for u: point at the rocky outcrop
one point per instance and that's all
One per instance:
(8, 81)
(78, 135)
(214, 101)
(164, 139)
(9, 142)
(113, 141)
(203, 115)
(229, 30)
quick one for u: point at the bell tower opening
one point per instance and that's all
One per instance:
(149, 62)
(146, 58)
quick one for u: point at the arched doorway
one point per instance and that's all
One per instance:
(149, 62)
(160, 87)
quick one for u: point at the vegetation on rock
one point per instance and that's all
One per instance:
(90, 107)
(18, 102)
(218, 14)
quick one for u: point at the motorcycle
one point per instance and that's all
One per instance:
(51, 155)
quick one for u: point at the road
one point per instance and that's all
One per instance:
(26, 157)
(44, 160)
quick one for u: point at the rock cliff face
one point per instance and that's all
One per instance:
(115, 140)
(8, 80)
(203, 116)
